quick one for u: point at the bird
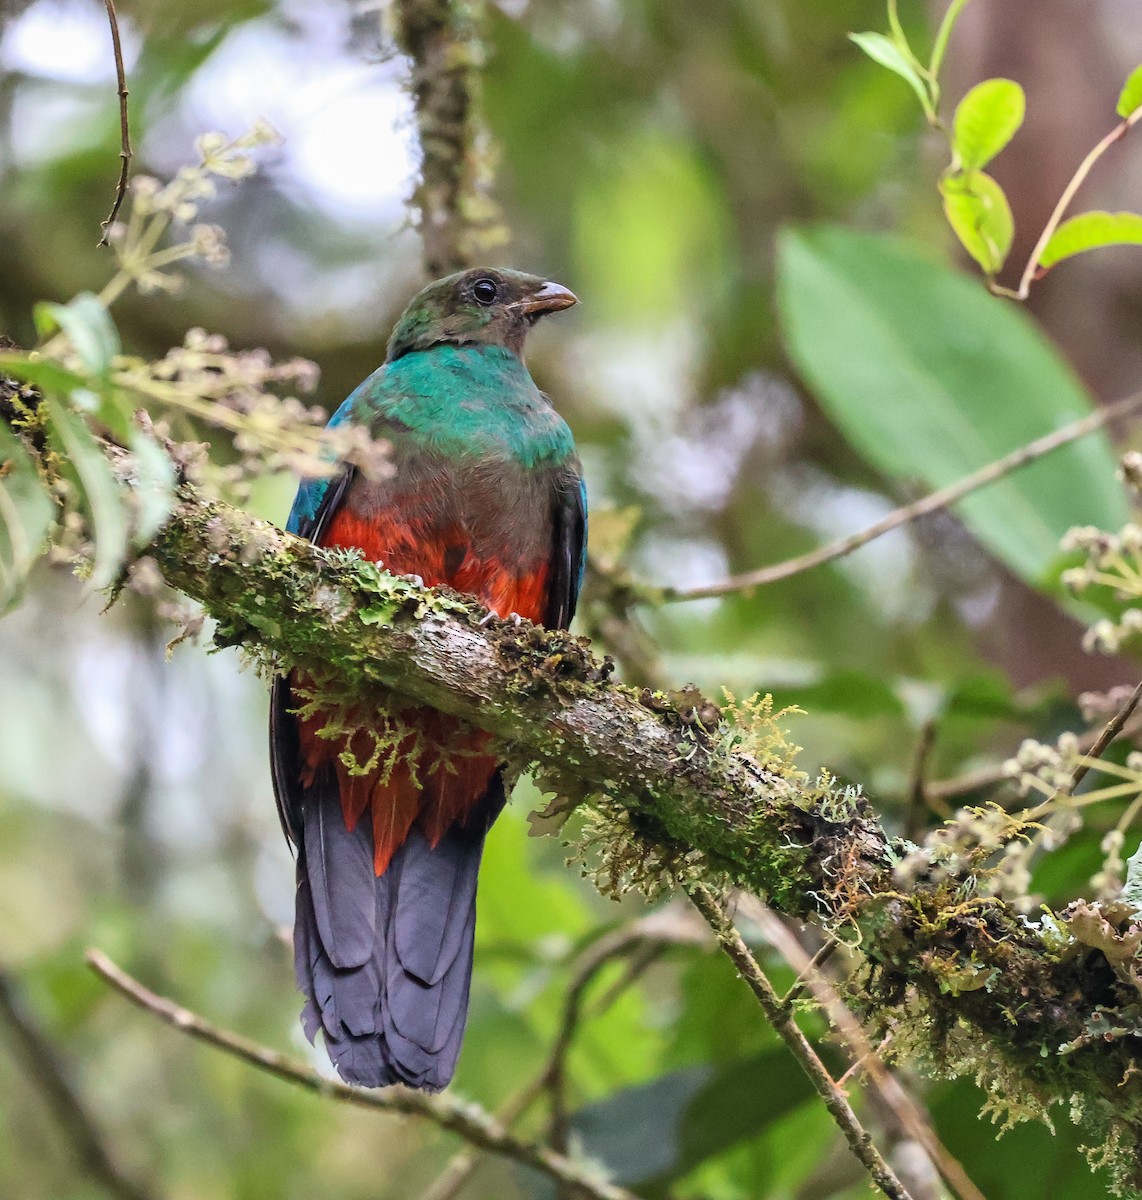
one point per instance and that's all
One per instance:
(484, 495)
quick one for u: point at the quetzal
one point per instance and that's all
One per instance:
(485, 496)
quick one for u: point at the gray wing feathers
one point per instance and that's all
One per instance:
(339, 867)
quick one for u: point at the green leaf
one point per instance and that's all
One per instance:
(986, 120)
(1029, 1162)
(154, 487)
(654, 1133)
(1091, 231)
(1130, 98)
(102, 494)
(855, 693)
(885, 51)
(978, 212)
(88, 326)
(110, 405)
(45, 374)
(26, 514)
(930, 378)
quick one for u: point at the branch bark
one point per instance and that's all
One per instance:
(963, 974)
(439, 38)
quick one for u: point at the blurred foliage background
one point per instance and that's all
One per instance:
(646, 153)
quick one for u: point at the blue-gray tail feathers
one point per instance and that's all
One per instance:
(385, 961)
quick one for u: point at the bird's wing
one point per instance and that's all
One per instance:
(316, 503)
(568, 549)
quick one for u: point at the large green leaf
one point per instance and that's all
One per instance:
(653, 1134)
(930, 378)
(1030, 1162)
(154, 487)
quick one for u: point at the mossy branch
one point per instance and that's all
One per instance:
(439, 36)
(962, 978)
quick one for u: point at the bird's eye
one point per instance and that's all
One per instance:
(485, 290)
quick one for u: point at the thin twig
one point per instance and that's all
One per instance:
(941, 791)
(782, 1020)
(464, 1163)
(643, 940)
(1114, 727)
(913, 1119)
(1055, 829)
(124, 124)
(931, 503)
(861, 1059)
(47, 1073)
(1084, 169)
(450, 1112)
(554, 1073)
(918, 787)
(805, 973)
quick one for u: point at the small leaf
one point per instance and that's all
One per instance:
(88, 326)
(885, 51)
(1090, 231)
(109, 405)
(978, 212)
(103, 497)
(26, 514)
(154, 487)
(986, 120)
(45, 374)
(1130, 98)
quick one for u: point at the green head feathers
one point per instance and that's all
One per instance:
(491, 306)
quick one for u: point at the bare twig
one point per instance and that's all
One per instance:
(782, 1020)
(450, 1112)
(1056, 829)
(1031, 271)
(607, 616)
(124, 125)
(918, 787)
(973, 781)
(642, 940)
(910, 512)
(805, 973)
(908, 1111)
(620, 942)
(1113, 728)
(48, 1074)
(439, 38)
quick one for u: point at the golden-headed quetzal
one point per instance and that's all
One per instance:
(486, 497)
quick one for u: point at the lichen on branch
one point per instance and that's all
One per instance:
(457, 216)
(961, 977)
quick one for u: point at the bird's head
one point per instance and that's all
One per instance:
(488, 305)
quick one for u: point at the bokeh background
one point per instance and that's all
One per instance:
(645, 152)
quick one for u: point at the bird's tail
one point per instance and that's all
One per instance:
(385, 961)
